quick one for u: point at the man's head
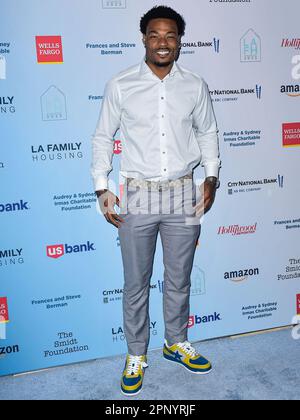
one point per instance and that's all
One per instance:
(162, 29)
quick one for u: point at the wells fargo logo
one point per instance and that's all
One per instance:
(49, 49)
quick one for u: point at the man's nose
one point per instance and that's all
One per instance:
(163, 42)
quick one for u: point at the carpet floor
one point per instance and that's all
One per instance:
(256, 367)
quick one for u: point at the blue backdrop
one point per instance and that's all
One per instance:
(61, 273)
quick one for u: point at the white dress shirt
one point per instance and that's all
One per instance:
(166, 126)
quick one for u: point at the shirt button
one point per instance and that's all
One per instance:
(163, 134)
(162, 116)
(162, 98)
(165, 170)
(164, 153)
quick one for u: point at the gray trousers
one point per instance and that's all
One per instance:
(146, 213)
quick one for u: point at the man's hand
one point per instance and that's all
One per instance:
(208, 195)
(107, 202)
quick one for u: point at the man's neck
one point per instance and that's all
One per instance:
(160, 72)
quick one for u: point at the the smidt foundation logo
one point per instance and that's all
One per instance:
(197, 319)
(237, 230)
(57, 251)
(4, 317)
(49, 49)
(298, 304)
(291, 134)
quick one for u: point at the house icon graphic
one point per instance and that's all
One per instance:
(250, 47)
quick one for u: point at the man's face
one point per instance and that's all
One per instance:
(162, 42)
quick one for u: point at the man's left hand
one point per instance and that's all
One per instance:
(208, 195)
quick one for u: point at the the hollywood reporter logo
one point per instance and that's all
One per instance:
(57, 251)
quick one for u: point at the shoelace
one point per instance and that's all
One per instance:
(188, 348)
(134, 364)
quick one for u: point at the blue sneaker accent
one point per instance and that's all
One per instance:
(185, 355)
(133, 375)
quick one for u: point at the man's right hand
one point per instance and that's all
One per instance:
(107, 202)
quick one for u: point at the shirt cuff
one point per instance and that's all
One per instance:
(212, 170)
(101, 184)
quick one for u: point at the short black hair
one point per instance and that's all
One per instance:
(163, 12)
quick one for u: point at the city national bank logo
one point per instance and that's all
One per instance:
(231, 95)
(190, 47)
(49, 49)
(238, 187)
(54, 105)
(114, 4)
(12, 207)
(7, 105)
(199, 320)
(57, 251)
(291, 134)
(250, 47)
(59, 151)
(2, 67)
(237, 230)
(298, 304)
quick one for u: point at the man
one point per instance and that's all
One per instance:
(167, 127)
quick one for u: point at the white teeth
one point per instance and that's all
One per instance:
(163, 52)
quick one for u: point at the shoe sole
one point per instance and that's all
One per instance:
(191, 371)
(130, 395)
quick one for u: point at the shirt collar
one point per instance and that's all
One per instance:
(145, 69)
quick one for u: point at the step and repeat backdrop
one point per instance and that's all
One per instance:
(61, 274)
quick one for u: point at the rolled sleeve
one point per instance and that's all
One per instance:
(103, 138)
(205, 126)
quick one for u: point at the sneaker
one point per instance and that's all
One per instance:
(185, 355)
(133, 375)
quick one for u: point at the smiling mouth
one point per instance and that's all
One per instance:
(163, 54)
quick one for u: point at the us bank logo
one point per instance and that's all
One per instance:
(207, 319)
(2, 67)
(114, 4)
(54, 106)
(57, 251)
(250, 47)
